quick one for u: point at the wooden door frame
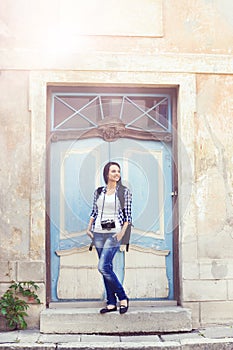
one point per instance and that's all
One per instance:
(101, 133)
(175, 201)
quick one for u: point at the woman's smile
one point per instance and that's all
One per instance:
(114, 173)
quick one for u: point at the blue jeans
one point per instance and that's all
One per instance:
(107, 246)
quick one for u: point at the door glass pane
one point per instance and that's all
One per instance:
(85, 111)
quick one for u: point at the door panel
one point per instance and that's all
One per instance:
(76, 170)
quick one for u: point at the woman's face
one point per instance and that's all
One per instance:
(114, 173)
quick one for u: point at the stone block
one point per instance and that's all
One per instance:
(7, 271)
(199, 290)
(28, 346)
(195, 311)
(211, 206)
(30, 271)
(59, 338)
(216, 332)
(204, 344)
(33, 319)
(230, 289)
(216, 312)
(190, 270)
(189, 249)
(29, 336)
(4, 287)
(180, 336)
(216, 268)
(116, 346)
(217, 245)
(93, 338)
(140, 338)
(9, 337)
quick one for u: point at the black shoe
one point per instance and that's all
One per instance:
(106, 309)
(123, 308)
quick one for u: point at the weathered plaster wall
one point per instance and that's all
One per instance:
(207, 277)
(15, 165)
(194, 26)
(195, 53)
(17, 259)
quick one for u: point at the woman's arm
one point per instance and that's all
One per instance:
(93, 216)
(127, 214)
(89, 232)
(127, 206)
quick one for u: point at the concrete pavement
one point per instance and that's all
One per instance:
(214, 338)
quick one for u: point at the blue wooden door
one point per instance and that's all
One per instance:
(76, 170)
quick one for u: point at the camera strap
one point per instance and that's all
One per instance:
(104, 203)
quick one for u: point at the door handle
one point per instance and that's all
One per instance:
(174, 193)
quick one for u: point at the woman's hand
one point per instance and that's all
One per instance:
(90, 234)
(119, 236)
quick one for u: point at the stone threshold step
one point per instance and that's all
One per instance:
(136, 320)
(97, 304)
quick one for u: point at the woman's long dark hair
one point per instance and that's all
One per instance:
(106, 171)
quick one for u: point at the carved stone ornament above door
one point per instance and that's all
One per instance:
(111, 129)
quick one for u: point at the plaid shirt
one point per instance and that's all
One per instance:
(122, 217)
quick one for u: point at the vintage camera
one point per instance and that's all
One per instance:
(108, 224)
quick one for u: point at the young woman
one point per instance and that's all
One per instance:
(107, 226)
